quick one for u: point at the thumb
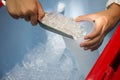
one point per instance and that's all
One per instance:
(81, 18)
(41, 12)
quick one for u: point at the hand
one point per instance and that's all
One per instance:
(30, 10)
(104, 22)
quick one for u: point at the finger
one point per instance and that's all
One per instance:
(96, 32)
(79, 18)
(85, 17)
(14, 16)
(93, 34)
(27, 18)
(21, 16)
(33, 19)
(41, 12)
(26, 14)
(92, 48)
(11, 8)
(95, 46)
(13, 13)
(89, 43)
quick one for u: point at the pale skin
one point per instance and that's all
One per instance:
(104, 22)
(30, 10)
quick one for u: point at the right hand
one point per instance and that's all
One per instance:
(104, 22)
(30, 10)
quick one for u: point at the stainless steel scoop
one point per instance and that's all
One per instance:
(64, 26)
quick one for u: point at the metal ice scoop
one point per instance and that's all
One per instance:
(64, 26)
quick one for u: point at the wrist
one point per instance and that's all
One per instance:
(112, 15)
(112, 1)
(114, 12)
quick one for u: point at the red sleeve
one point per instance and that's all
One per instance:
(1, 3)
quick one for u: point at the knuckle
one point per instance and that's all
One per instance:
(33, 9)
(14, 15)
(12, 12)
(30, 11)
(25, 13)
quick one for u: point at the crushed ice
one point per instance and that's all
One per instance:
(51, 61)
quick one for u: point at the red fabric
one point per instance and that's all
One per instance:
(1, 4)
(107, 66)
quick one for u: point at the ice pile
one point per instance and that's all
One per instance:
(51, 61)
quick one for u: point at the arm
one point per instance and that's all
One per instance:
(104, 22)
(30, 10)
